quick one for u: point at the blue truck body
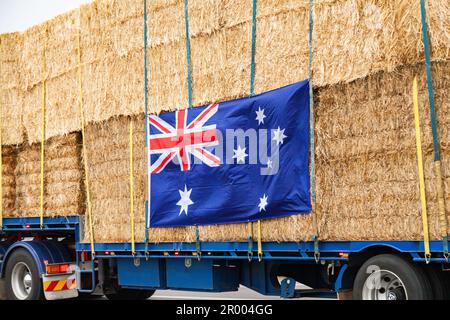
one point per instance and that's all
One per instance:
(203, 266)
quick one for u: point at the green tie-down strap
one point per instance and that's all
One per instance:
(188, 51)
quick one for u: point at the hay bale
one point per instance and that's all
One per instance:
(107, 146)
(352, 39)
(11, 97)
(367, 180)
(59, 38)
(63, 191)
(9, 155)
(367, 184)
(108, 164)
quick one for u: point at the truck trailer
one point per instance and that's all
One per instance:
(51, 262)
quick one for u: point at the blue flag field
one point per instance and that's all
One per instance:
(229, 162)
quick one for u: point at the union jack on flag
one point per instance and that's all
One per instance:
(184, 139)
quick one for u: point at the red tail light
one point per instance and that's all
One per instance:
(57, 268)
(85, 256)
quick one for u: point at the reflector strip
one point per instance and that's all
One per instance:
(59, 285)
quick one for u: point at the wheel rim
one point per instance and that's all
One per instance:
(21, 281)
(384, 285)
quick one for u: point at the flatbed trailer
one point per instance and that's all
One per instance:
(51, 262)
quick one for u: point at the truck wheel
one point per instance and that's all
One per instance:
(2, 289)
(390, 277)
(439, 282)
(22, 277)
(130, 294)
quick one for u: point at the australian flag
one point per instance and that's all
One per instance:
(236, 161)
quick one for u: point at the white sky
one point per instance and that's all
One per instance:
(19, 15)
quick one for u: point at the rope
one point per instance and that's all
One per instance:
(252, 90)
(436, 146)
(423, 200)
(83, 143)
(44, 76)
(250, 241)
(197, 243)
(147, 203)
(133, 245)
(189, 80)
(315, 237)
(252, 66)
(188, 51)
(1, 153)
(146, 229)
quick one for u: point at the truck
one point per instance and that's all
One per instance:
(49, 261)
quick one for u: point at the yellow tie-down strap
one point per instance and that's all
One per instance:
(423, 199)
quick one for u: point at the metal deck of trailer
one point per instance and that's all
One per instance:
(207, 266)
(329, 250)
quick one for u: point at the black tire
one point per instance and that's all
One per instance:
(415, 283)
(439, 282)
(130, 294)
(2, 289)
(22, 256)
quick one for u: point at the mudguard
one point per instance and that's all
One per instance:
(42, 251)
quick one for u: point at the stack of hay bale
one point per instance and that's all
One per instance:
(63, 176)
(11, 98)
(365, 54)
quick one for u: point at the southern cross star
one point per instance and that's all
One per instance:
(260, 116)
(262, 203)
(278, 136)
(185, 200)
(240, 155)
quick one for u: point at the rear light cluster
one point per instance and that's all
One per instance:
(57, 268)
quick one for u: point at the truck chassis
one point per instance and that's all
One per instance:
(51, 262)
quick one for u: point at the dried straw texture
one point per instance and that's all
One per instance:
(11, 96)
(352, 39)
(112, 53)
(367, 181)
(63, 189)
(108, 154)
(9, 158)
(108, 157)
(58, 39)
(367, 176)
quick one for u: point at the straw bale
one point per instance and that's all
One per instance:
(364, 130)
(34, 42)
(61, 108)
(10, 47)
(11, 116)
(108, 159)
(366, 156)
(8, 180)
(352, 39)
(116, 27)
(108, 163)
(63, 190)
(365, 186)
(11, 96)
(62, 47)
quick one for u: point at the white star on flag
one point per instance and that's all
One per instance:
(262, 203)
(269, 164)
(260, 116)
(278, 136)
(240, 154)
(185, 200)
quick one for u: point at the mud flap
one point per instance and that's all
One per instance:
(60, 286)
